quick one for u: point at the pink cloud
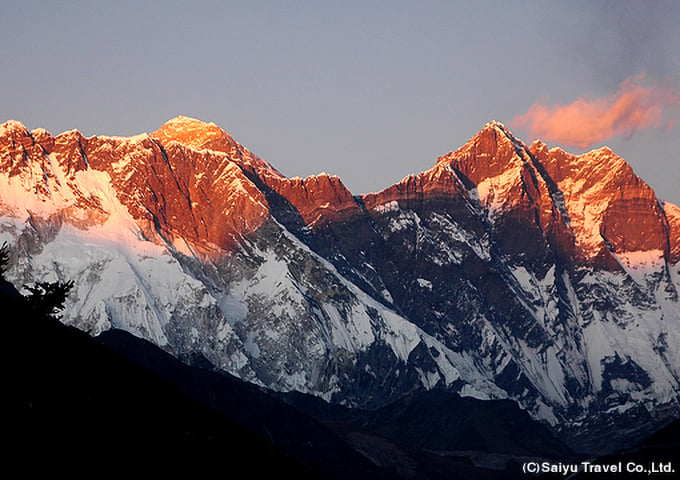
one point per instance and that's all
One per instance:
(587, 122)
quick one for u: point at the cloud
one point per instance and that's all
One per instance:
(587, 122)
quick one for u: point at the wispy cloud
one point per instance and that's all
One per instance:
(585, 122)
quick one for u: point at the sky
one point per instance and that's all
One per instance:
(370, 91)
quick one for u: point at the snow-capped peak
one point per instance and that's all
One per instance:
(11, 126)
(192, 133)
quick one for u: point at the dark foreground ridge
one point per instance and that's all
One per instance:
(74, 406)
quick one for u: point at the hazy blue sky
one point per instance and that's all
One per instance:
(367, 90)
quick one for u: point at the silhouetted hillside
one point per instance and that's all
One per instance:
(73, 406)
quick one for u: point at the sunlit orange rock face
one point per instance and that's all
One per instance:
(513, 187)
(439, 183)
(502, 170)
(490, 153)
(589, 207)
(185, 182)
(43, 138)
(319, 199)
(18, 148)
(69, 149)
(673, 215)
(481, 158)
(31, 173)
(177, 192)
(611, 210)
(208, 184)
(192, 185)
(198, 135)
(172, 191)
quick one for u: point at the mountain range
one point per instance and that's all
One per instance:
(506, 272)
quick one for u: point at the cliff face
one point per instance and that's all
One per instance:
(610, 209)
(673, 216)
(173, 191)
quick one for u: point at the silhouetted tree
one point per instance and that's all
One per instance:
(4, 259)
(10, 298)
(47, 298)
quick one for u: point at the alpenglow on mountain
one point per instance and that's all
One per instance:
(505, 271)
